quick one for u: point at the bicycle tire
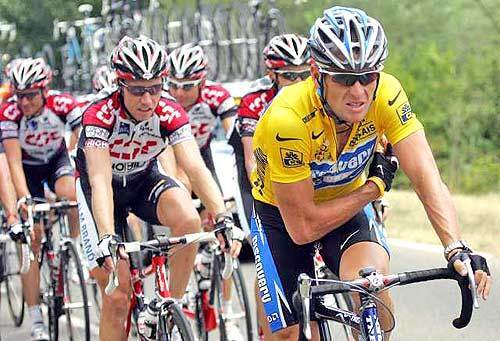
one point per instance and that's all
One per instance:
(241, 290)
(48, 295)
(173, 321)
(70, 255)
(14, 300)
(198, 321)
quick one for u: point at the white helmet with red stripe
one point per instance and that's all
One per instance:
(140, 58)
(30, 73)
(103, 78)
(187, 61)
(285, 50)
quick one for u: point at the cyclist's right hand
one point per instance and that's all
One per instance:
(383, 168)
(16, 232)
(22, 205)
(104, 253)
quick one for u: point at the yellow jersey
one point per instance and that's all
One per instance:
(295, 139)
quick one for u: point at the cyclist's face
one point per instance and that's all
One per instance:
(350, 103)
(30, 101)
(290, 75)
(141, 106)
(185, 91)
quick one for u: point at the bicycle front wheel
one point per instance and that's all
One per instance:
(174, 325)
(13, 285)
(75, 302)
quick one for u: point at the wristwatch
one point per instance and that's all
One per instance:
(459, 244)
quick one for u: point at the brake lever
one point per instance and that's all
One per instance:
(305, 298)
(113, 276)
(472, 283)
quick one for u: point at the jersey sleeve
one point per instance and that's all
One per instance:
(174, 122)
(289, 146)
(397, 118)
(249, 113)
(9, 121)
(68, 108)
(98, 121)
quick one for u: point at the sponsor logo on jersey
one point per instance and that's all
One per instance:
(124, 167)
(309, 116)
(348, 167)
(365, 129)
(124, 128)
(323, 153)
(8, 125)
(96, 132)
(181, 134)
(291, 158)
(404, 112)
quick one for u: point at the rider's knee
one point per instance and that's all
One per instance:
(188, 223)
(117, 304)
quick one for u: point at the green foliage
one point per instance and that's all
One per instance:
(444, 53)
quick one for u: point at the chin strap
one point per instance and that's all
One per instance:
(328, 109)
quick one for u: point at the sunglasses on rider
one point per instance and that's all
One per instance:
(187, 85)
(139, 91)
(293, 75)
(349, 79)
(28, 95)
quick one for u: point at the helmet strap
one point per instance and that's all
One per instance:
(328, 109)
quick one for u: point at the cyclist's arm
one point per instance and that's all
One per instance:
(246, 141)
(7, 191)
(100, 177)
(307, 221)
(73, 138)
(169, 164)
(417, 161)
(14, 156)
(189, 159)
(227, 123)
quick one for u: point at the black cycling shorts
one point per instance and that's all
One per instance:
(140, 196)
(279, 261)
(36, 175)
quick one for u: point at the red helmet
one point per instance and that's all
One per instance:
(285, 50)
(30, 73)
(140, 58)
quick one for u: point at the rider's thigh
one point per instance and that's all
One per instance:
(360, 255)
(175, 209)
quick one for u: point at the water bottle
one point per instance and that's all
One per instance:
(147, 320)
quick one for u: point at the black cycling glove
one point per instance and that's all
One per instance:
(477, 262)
(383, 167)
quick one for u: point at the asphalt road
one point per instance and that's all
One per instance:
(424, 311)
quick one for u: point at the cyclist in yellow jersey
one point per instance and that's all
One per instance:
(313, 146)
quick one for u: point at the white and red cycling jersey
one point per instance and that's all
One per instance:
(253, 104)
(213, 103)
(132, 144)
(41, 136)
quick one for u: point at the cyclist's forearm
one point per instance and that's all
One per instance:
(246, 141)
(100, 178)
(441, 211)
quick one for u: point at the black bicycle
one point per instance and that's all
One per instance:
(310, 303)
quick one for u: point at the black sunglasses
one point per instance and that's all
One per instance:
(139, 91)
(293, 75)
(27, 95)
(349, 79)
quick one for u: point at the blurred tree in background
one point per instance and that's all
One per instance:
(444, 53)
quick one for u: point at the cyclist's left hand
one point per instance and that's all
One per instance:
(479, 266)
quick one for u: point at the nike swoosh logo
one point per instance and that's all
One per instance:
(281, 139)
(395, 98)
(314, 137)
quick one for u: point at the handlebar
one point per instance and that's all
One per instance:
(163, 243)
(376, 282)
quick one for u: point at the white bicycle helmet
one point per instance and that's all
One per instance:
(140, 58)
(285, 50)
(187, 62)
(10, 65)
(103, 78)
(30, 73)
(348, 40)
